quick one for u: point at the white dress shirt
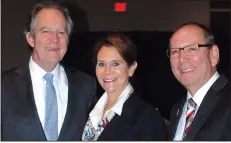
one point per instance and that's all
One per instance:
(39, 88)
(97, 113)
(197, 98)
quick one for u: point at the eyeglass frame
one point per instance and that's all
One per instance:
(183, 48)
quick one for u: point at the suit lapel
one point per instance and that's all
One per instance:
(73, 124)
(203, 112)
(112, 132)
(206, 107)
(25, 109)
(176, 119)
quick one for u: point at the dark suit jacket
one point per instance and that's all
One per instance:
(138, 122)
(228, 129)
(211, 120)
(20, 120)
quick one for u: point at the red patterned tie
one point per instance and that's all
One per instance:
(191, 107)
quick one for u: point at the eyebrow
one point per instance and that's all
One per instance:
(183, 46)
(43, 27)
(111, 61)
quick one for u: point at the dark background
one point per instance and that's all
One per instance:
(149, 23)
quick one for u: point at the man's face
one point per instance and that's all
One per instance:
(49, 40)
(193, 71)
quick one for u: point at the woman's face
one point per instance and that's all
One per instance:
(112, 70)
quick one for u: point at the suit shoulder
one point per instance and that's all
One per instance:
(10, 73)
(148, 124)
(79, 74)
(143, 107)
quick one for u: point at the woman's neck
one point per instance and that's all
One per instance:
(111, 101)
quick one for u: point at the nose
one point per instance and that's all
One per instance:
(107, 69)
(182, 56)
(54, 37)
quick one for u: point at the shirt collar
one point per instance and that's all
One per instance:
(200, 94)
(97, 113)
(39, 72)
(117, 108)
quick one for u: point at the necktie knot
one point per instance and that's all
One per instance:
(48, 77)
(191, 104)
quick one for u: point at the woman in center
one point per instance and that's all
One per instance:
(120, 115)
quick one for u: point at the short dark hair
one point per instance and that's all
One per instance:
(209, 37)
(31, 23)
(123, 45)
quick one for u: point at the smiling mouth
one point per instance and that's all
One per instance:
(188, 70)
(52, 49)
(108, 80)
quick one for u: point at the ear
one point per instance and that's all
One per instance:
(214, 55)
(132, 69)
(30, 39)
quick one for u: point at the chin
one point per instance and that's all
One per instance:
(110, 90)
(54, 59)
(187, 82)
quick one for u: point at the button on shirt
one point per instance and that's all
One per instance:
(39, 89)
(197, 98)
(97, 113)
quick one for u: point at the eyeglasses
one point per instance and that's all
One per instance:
(189, 50)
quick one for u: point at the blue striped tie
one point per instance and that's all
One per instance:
(51, 109)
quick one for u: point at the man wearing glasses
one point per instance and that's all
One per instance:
(202, 114)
